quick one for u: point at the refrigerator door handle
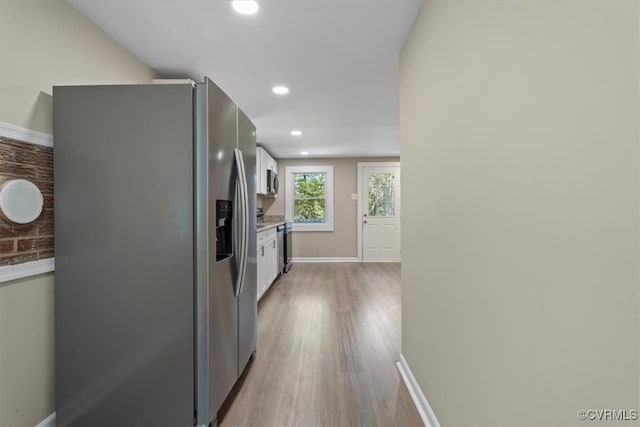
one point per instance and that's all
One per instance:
(244, 221)
(237, 235)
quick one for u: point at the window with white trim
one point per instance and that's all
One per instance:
(309, 197)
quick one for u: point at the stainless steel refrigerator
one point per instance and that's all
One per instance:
(155, 228)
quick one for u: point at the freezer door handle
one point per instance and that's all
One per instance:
(244, 221)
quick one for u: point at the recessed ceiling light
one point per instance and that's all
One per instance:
(280, 90)
(304, 153)
(296, 133)
(245, 7)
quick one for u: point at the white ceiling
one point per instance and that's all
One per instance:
(338, 57)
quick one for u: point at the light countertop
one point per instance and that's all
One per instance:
(263, 226)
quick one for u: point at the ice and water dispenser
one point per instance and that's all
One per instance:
(224, 229)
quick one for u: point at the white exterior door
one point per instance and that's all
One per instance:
(380, 212)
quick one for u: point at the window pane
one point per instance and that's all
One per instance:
(309, 211)
(382, 194)
(309, 185)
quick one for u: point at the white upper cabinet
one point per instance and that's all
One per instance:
(262, 181)
(271, 163)
(264, 162)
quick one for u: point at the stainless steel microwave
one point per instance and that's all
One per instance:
(272, 182)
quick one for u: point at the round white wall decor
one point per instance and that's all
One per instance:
(20, 201)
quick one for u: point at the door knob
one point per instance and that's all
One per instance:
(365, 221)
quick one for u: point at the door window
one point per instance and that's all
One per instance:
(381, 190)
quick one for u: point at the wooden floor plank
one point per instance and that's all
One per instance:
(328, 339)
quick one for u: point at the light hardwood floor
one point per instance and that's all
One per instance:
(328, 339)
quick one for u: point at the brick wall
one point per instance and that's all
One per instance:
(33, 241)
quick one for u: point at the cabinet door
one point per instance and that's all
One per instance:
(276, 259)
(268, 261)
(262, 267)
(271, 163)
(266, 279)
(259, 175)
(273, 259)
(263, 171)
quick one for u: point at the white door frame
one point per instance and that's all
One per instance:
(361, 166)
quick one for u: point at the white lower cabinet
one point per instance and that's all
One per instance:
(267, 259)
(272, 260)
(261, 270)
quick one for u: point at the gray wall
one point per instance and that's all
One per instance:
(343, 241)
(43, 43)
(519, 145)
(26, 351)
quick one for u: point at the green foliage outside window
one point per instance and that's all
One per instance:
(309, 197)
(381, 194)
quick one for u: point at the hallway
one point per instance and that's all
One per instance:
(328, 339)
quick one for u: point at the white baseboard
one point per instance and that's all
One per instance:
(18, 133)
(424, 409)
(422, 405)
(50, 421)
(325, 259)
(20, 271)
